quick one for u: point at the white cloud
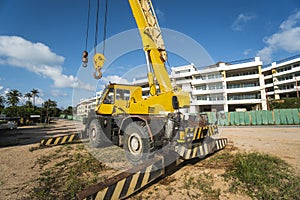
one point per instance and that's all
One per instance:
(241, 21)
(58, 93)
(287, 38)
(159, 13)
(6, 91)
(247, 52)
(37, 58)
(1, 87)
(115, 79)
(38, 100)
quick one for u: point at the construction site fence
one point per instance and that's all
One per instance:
(261, 117)
(71, 117)
(243, 118)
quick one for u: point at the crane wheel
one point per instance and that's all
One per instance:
(136, 143)
(97, 137)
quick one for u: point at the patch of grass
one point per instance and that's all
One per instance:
(262, 176)
(204, 182)
(71, 173)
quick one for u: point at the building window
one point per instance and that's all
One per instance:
(286, 87)
(283, 69)
(242, 85)
(199, 77)
(243, 96)
(215, 86)
(214, 76)
(202, 98)
(182, 71)
(201, 87)
(296, 65)
(216, 97)
(283, 78)
(241, 73)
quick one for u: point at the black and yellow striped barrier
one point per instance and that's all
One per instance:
(195, 134)
(126, 183)
(202, 150)
(60, 140)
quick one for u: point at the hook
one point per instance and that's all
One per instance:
(98, 63)
(85, 55)
(99, 74)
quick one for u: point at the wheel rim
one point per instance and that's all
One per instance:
(135, 144)
(93, 134)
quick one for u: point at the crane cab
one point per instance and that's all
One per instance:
(117, 99)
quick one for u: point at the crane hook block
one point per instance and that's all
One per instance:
(85, 56)
(98, 63)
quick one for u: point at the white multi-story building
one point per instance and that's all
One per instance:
(86, 105)
(223, 86)
(282, 78)
(229, 86)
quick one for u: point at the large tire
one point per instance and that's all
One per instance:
(136, 143)
(96, 136)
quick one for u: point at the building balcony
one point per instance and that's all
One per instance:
(202, 92)
(181, 75)
(270, 93)
(280, 91)
(268, 77)
(198, 82)
(207, 102)
(242, 78)
(293, 70)
(285, 81)
(269, 85)
(184, 81)
(243, 90)
(214, 80)
(141, 81)
(244, 101)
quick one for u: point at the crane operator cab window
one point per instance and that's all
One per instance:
(122, 94)
(109, 99)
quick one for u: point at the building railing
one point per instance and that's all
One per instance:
(267, 65)
(141, 78)
(288, 59)
(241, 61)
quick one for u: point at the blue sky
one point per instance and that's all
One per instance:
(41, 42)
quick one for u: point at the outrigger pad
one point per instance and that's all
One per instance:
(208, 146)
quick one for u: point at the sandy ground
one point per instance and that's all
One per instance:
(283, 142)
(18, 164)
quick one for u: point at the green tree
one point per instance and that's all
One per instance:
(2, 102)
(34, 93)
(28, 95)
(51, 109)
(68, 111)
(13, 97)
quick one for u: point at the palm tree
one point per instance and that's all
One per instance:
(50, 108)
(28, 96)
(34, 93)
(13, 97)
(2, 101)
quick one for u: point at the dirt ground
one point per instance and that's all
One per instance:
(18, 163)
(281, 141)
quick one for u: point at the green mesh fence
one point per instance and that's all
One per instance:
(261, 117)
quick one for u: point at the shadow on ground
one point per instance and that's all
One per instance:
(34, 134)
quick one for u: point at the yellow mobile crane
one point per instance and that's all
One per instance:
(141, 125)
